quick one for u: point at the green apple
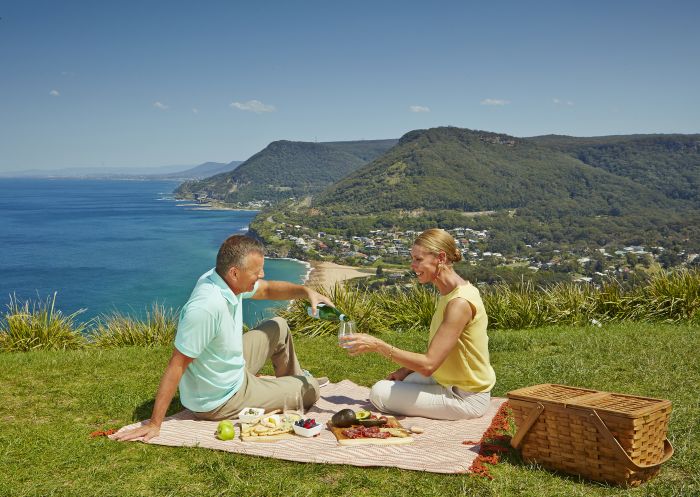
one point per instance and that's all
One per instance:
(225, 430)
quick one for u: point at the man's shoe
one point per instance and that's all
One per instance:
(322, 380)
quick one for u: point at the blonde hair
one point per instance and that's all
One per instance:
(436, 240)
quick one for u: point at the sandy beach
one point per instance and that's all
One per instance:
(327, 274)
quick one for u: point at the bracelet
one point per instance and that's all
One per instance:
(391, 352)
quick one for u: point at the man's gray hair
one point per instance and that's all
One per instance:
(234, 251)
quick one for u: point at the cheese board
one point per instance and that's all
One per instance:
(391, 433)
(270, 428)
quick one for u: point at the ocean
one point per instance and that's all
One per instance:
(110, 245)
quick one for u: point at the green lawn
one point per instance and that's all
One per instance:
(51, 401)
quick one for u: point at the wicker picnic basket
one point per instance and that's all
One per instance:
(608, 437)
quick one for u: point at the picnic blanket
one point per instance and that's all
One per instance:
(440, 449)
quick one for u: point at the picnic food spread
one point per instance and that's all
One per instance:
(367, 429)
(349, 427)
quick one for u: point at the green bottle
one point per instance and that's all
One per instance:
(327, 313)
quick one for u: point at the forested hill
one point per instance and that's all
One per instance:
(667, 163)
(468, 171)
(287, 169)
(524, 188)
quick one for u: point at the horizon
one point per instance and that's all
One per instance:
(159, 84)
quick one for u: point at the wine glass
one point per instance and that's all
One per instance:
(346, 329)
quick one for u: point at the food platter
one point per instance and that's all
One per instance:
(267, 429)
(391, 433)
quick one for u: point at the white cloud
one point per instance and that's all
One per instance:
(54, 93)
(253, 106)
(160, 105)
(418, 108)
(558, 101)
(195, 110)
(494, 101)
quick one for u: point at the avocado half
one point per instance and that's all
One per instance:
(344, 418)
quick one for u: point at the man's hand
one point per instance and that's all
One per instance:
(316, 298)
(166, 390)
(143, 433)
(399, 375)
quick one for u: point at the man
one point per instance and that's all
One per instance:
(213, 362)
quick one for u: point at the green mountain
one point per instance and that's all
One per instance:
(667, 163)
(526, 190)
(287, 169)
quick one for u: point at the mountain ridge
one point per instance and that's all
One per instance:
(287, 169)
(532, 191)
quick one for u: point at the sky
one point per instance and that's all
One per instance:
(156, 83)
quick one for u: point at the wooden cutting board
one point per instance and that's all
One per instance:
(391, 423)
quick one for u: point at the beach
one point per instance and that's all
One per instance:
(327, 274)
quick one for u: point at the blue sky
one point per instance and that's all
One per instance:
(89, 83)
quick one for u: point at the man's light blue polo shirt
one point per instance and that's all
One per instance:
(211, 332)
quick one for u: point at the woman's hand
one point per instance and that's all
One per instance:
(361, 343)
(399, 375)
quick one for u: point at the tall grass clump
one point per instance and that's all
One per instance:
(360, 306)
(672, 296)
(406, 309)
(663, 297)
(39, 325)
(526, 306)
(121, 330)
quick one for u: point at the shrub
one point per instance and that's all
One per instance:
(121, 330)
(664, 296)
(39, 325)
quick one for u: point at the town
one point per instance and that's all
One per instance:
(392, 248)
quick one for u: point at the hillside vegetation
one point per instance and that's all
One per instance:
(527, 190)
(666, 163)
(287, 169)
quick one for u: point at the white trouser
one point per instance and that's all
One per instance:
(418, 395)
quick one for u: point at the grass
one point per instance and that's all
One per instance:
(50, 401)
(39, 325)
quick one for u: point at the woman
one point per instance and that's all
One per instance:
(453, 379)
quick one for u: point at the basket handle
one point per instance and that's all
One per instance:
(517, 440)
(620, 452)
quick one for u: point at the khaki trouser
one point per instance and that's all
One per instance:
(270, 340)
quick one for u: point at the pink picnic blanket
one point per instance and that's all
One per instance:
(440, 449)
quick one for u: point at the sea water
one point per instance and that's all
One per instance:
(110, 245)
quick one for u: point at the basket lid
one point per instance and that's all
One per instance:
(629, 406)
(550, 392)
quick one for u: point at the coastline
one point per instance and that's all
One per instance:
(309, 266)
(326, 274)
